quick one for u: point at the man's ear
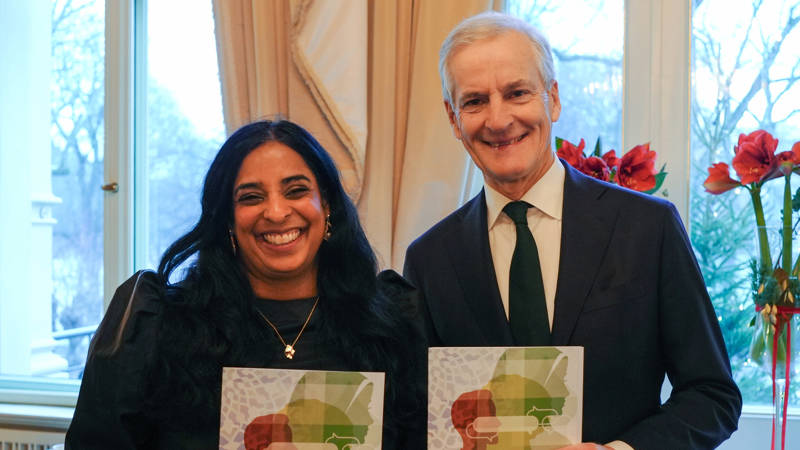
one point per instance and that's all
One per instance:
(555, 102)
(453, 119)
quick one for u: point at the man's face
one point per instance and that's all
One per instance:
(502, 112)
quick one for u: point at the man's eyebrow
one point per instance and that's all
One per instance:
(517, 84)
(469, 95)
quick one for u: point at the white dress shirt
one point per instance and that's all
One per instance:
(544, 221)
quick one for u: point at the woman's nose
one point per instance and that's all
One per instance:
(277, 210)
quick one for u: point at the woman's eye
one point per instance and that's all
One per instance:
(248, 198)
(296, 191)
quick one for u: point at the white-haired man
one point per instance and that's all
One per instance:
(612, 270)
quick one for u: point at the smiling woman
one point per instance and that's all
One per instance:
(281, 263)
(279, 222)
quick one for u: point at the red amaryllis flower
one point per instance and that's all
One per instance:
(596, 168)
(571, 154)
(719, 179)
(610, 157)
(796, 152)
(786, 162)
(637, 169)
(755, 157)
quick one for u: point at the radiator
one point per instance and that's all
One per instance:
(11, 439)
(23, 446)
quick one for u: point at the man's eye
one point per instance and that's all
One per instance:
(518, 93)
(472, 104)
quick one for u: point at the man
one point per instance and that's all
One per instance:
(618, 276)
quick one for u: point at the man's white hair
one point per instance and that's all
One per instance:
(486, 25)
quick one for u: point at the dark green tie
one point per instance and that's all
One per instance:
(527, 310)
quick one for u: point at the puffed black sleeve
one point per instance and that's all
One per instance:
(110, 412)
(406, 414)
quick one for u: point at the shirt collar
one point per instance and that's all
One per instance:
(547, 195)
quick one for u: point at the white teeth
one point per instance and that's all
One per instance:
(512, 141)
(281, 238)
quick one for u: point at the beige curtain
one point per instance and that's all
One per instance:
(304, 60)
(397, 154)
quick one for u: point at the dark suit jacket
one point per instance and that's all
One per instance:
(629, 291)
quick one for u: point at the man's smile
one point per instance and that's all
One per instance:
(505, 143)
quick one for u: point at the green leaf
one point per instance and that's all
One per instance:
(660, 176)
(753, 322)
(796, 200)
(558, 143)
(597, 148)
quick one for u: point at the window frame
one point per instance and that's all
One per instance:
(656, 64)
(123, 47)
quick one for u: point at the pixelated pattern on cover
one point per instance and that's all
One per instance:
(272, 409)
(504, 397)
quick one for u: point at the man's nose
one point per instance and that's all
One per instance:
(499, 117)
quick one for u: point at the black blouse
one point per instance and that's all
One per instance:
(112, 411)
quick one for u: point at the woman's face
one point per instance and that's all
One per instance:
(279, 221)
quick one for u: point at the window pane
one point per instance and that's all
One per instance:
(588, 64)
(184, 123)
(745, 69)
(76, 103)
(52, 112)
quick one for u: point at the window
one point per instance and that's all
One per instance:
(183, 124)
(53, 117)
(73, 184)
(745, 73)
(588, 65)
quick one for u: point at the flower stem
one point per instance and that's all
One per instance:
(763, 244)
(786, 262)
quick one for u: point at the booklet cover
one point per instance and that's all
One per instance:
(504, 397)
(275, 409)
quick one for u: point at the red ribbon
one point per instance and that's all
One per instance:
(783, 315)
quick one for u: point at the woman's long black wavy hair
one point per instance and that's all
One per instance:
(206, 309)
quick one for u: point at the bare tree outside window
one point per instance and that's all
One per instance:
(178, 151)
(77, 151)
(745, 72)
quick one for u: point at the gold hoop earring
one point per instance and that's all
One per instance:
(233, 241)
(328, 228)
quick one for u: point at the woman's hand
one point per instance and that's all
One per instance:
(586, 446)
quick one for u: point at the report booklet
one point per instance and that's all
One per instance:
(504, 397)
(273, 409)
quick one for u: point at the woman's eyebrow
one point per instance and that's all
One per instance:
(293, 178)
(246, 186)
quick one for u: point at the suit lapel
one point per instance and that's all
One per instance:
(586, 228)
(472, 260)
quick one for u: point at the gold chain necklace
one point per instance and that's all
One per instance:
(289, 348)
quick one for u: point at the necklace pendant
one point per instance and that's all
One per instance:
(289, 351)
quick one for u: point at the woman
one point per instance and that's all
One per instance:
(283, 278)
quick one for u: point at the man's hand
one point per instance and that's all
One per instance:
(586, 446)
